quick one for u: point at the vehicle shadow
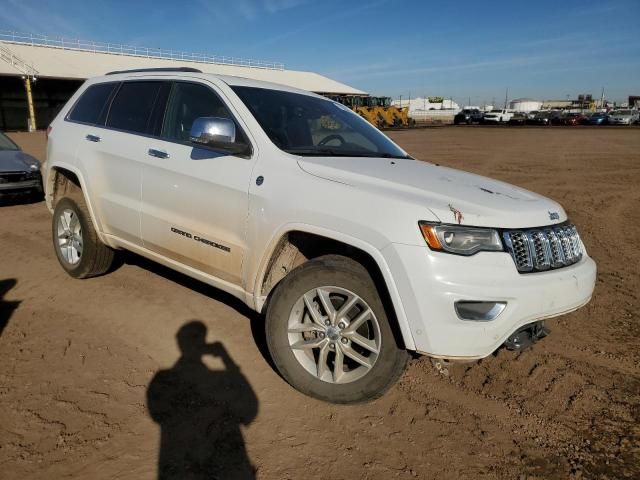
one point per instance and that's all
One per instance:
(256, 320)
(200, 412)
(6, 308)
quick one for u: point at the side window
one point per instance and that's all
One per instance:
(92, 104)
(159, 108)
(131, 108)
(187, 102)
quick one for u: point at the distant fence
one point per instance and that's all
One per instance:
(131, 50)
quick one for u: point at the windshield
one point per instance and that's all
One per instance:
(622, 112)
(6, 143)
(496, 111)
(307, 125)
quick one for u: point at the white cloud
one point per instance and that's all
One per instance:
(247, 9)
(21, 16)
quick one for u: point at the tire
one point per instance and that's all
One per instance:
(287, 303)
(93, 258)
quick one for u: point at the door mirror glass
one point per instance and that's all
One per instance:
(216, 132)
(213, 129)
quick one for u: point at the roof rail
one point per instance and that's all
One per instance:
(166, 69)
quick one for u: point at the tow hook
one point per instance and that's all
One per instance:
(526, 336)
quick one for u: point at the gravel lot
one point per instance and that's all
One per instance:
(90, 371)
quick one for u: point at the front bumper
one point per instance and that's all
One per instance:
(430, 283)
(33, 184)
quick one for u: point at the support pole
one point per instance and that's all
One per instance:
(32, 113)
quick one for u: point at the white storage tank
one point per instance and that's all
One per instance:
(524, 105)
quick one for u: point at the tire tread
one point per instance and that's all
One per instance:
(349, 266)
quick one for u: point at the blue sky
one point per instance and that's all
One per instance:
(460, 49)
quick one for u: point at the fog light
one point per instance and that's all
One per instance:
(479, 311)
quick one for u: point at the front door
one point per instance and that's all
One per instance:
(195, 200)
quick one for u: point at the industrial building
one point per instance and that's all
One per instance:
(49, 70)
(525, 105)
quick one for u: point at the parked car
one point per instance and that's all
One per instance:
(599, 118)
(497, 116)
(19, 172)
(354, 251)
(518, 118)
(549, 117)
(575, 119)
(468, 116)
(623, 117)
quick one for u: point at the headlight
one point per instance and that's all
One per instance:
(459, 239)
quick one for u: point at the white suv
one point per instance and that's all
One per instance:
(497, 116)
(356, 252)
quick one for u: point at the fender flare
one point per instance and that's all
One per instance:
(371, 250)
(76, 171)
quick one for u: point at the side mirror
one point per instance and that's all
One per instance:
(218, 133)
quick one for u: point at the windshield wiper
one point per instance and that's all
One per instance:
(311, 151)
(337, 153)
(390, 155)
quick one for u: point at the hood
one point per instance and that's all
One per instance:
(452, 196)
(17, 161)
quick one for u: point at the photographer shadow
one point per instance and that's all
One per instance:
(200, 412)
(6, 307)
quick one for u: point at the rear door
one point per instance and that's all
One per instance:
(111, 154)
(195, 200)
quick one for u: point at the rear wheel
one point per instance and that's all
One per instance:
(78, 248)
(329, 335)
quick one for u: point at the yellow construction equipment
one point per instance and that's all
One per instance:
(376, 110)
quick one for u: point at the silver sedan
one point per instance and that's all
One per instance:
(19, 172)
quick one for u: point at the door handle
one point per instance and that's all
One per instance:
(92, 138)
(157, 153)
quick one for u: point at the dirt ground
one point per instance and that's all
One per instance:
(94, 385)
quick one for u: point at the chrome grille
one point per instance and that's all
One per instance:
(544, 248)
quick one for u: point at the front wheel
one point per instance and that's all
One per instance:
(329, 335)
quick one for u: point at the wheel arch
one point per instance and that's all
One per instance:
(66, 180)
(298, 244)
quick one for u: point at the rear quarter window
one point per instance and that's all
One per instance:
(91, 106)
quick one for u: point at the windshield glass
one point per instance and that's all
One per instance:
(6, 143)
(306, 125)
(622, 112)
